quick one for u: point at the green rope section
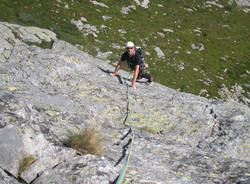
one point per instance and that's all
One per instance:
(124, 169)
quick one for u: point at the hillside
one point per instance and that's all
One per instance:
(46, 94)
(199, 47)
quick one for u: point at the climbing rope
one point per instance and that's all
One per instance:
(123, 172)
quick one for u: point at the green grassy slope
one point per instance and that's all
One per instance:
(223, 32)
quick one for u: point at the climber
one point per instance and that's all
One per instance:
(135, 62)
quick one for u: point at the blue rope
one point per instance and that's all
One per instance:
(123, 172)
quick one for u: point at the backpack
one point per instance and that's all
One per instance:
(138, 49)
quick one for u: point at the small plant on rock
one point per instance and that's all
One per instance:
(87, 141)
(149, 129)
(25, 163)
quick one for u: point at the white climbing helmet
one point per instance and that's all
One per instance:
(130, 44)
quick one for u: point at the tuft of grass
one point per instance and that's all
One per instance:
(149, 129)
(87, 141)
(43, 44)
(25, 163)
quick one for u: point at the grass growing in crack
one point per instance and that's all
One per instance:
(25, 163)
(87, 141)
(43, 44)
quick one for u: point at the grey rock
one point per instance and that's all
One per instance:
(104, 17)
(214, 3)
(6, 179)
(78, 24)
(159, 52)
(84, 19)
(168, 30)
(99, 4)
(242, 2)
(6, 33)
(4, 45)
(103, 55)
(37, 168)
(143, 4)
(85, 169)
(48, 155)
(198, 47)
(126, 10)
(15, 33)
(11, 147)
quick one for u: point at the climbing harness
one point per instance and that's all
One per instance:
(123, 172)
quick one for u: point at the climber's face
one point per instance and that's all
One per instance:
(131, 51)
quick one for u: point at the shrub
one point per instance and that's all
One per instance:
(87, 141)
(25, 163)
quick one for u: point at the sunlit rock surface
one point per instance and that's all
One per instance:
(47, 93)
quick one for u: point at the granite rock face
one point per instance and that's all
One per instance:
(11, 146)
(47, 93)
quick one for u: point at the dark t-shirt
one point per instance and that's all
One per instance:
(133, 60)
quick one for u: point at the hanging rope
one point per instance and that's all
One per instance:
(129, 118)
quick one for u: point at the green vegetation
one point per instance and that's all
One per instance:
(148, 129)
(25, 163)
(222, 32)
(87, 141)
(43, 44)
